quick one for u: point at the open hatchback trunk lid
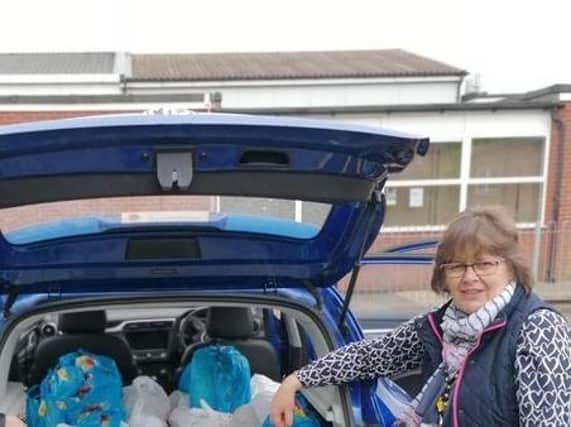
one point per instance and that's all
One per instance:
(342, 165)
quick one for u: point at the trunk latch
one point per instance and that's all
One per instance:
(174, 170)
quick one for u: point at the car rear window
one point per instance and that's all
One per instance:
(174, 209)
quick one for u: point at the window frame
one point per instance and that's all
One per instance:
(464, 181)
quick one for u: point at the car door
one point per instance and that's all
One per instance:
(392, 287)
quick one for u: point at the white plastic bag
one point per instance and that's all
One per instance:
(179, 399)
(123, 424)
(14, 399)
(253, 413)
(262, 404)
(139, 417)
(260, 383)
(198, 417)
(257, 410)
(244, 416)
(393, 396)
(146, 403)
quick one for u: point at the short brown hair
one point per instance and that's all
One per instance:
(476, 231)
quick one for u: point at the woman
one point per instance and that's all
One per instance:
(494, 355)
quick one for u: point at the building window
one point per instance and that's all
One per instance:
(314, 213)
(421, 205)
(507, 157)
(277, 208)
(508, 172)
(427, 192)
(441, 161)
(490, 171)
(521, 200)
(294, 210)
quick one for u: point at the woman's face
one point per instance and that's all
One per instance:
(473, 282)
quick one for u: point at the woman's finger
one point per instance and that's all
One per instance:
(288, 418)
(277, 418)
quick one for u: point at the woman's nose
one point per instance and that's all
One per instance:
(470, 273)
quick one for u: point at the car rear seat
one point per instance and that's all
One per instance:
(82, 330)
(235, 326)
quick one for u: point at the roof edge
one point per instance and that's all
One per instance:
(553, 89)
(301, 77)
(404, 108)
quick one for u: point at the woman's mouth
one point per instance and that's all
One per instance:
(472, 291)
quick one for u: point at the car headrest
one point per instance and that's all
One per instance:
(82, 322)
(230, 322)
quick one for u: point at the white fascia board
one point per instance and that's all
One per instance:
(485, 100)
(459, 126)
(565, 96)
(58, 78)
(290, 82)
(71, 89)
(101, 107)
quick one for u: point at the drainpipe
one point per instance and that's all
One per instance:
(561, 131)
(122, 67)
(459, 89)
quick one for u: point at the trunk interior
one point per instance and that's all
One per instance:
(159, 340)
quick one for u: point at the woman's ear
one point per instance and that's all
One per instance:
(511, 270)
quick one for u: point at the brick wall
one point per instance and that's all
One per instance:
(558, 204)
(10, 117)
(13, 218)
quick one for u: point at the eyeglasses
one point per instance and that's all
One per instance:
(485, 267)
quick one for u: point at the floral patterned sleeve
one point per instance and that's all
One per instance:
(543, 371)
(396, 352)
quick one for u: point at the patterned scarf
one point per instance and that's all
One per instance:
(460, 334)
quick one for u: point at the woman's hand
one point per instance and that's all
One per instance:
(12, 421)
(283, 403)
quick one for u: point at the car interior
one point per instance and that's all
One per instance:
(159, 340)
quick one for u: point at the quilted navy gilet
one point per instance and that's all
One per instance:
(484, 391)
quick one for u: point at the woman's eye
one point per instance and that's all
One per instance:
(486, 264)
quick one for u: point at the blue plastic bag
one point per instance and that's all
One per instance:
(303, 414)
(82, 390)
(35, 408)
(392, 400)
(219, 375)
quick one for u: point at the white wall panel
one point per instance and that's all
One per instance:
(60, 89)
(455, 125)
(280, 95)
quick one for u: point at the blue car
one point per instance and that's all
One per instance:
(144, 237)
